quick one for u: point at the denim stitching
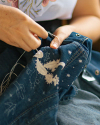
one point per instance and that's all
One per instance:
(85, 39)
(81, 40)
(40, 102)
(86, 53)
(74, 54)
(42, 113)
(75, 36)
(81, 48)
(73, 58)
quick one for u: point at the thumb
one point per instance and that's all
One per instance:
(61, 34)
(57, 41)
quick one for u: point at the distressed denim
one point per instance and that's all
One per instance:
(84, 108)
(33, 97)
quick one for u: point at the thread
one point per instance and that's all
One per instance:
(3, 88)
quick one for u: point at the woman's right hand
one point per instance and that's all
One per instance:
(18, 29)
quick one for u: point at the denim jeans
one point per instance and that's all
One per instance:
(32, 98)
(94, 66)
(84, 108)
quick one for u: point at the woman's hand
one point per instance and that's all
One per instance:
(18, 29)
(62, 33)
(85, 21)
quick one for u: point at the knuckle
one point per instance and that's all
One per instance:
(22, 25)
(26, 20)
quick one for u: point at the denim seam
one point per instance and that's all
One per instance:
(73, 58)
(85, 39)
(75, 36)
(79, 46)
(82, 50)
(81, 40)
(74, 55)
(42, 113)
(85, 54)
(40, 102)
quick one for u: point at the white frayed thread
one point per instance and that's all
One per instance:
(3, 88)
(37, 50)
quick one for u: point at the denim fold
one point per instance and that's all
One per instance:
(32, 98)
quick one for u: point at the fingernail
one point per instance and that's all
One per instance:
(54, 46)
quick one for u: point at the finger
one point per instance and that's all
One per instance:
(24, 46)
(57, 41)
(37, 29)
(19, 42)
(21, 45)
(32, 40)
(10, 42)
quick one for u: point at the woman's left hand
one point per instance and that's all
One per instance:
(62, 33)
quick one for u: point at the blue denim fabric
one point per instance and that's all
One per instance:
(33, 97)
(84, 108)
(94, 66)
